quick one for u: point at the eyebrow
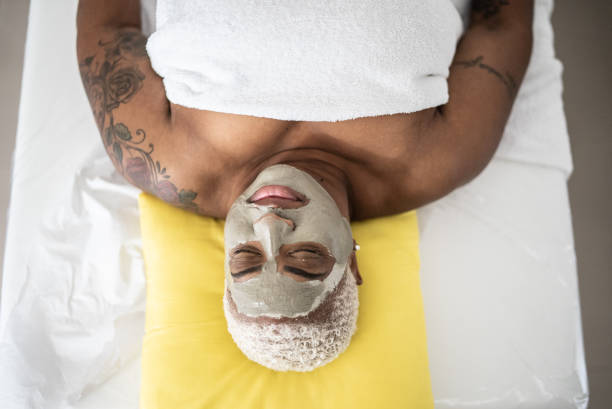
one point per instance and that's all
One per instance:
(245, 272)
(301, 272)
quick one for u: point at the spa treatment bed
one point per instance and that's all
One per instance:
(498, 269)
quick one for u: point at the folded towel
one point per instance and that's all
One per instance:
(281, 70)
(316, 60)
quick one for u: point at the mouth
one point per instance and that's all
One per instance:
(278, 196)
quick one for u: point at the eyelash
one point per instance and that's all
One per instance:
(306, 250)
(302, 273)
(245, 272)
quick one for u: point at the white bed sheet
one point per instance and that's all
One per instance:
(498, 266)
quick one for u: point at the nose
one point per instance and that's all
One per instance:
(274, 216)
(270, 229)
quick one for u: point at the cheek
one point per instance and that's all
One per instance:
(237, 230)
(321, 229)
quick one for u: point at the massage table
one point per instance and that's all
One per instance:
(498, 267)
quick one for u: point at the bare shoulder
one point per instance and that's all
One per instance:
(131, 110)
(118, 78)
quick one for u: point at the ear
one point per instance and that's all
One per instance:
(354, 267)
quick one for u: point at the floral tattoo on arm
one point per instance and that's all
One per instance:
(109, 82)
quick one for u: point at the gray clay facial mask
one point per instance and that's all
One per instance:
(271, 293)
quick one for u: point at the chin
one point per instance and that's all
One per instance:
(299, 344)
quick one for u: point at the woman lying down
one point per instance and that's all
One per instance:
(290, 119)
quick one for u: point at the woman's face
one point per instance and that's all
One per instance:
(287, 245)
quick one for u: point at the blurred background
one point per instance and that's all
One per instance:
(583, 37)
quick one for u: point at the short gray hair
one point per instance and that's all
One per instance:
(302, 343)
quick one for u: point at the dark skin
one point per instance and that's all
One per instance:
(374, 166)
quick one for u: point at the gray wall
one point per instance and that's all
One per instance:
(583, 36)
(13, 23)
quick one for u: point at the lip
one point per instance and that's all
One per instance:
(278, 196)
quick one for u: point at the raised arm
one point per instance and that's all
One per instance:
(486, 73)
(127, 97)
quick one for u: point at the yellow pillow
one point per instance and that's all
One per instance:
(189, 359)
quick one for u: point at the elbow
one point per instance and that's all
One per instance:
(435, 179)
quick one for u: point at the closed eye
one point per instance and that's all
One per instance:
(246, 250)
(305, 261)
(306, 250)
(301, 273)
(306, 254)
(247, 271)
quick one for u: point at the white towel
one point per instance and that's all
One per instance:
(536, 131)
(316, 60)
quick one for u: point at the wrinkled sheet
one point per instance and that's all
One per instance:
(498, 264)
